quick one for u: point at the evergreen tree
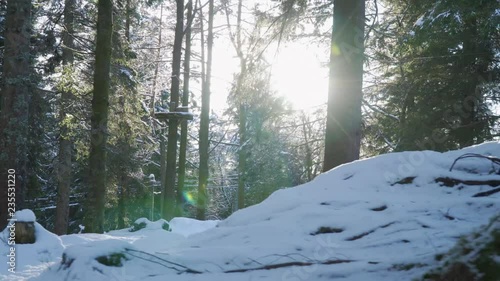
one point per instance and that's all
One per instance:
(205, 118)
(65, 143)
(185, 103)
(99, 121)
(343, 124)
(440, 71)
(14, 104)
(169, 197)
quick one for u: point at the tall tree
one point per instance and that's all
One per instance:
(439, 75)
(241, 107)
(94, 219)
(343, 125)
(65, 143)
(185, 104)
(171, 169)
(14, 103)
(205, 119)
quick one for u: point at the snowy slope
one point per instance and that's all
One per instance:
(384, 218)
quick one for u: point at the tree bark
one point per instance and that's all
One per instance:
(158, 56)
(306, 130)
(65, 143)
(343, 125)
(169, 192)
(14, 104)
(242, 155)
(241, 110)
(128, 12)
(122, 194)
(473, 67)
(185, 103)
(94, 218)
(205, 121)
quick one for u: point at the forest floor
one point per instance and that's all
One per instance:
(385, 218)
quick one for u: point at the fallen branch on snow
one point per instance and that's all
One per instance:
(286, 264)
(493, 159)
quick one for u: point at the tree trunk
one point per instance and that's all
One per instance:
(169, 192)
(473, 67)
(306, 130)
(241, 110)
(205, 120)
(65, 143)
(185, 103)
(94, 218)
(128, 12)
(14, 105)
(121, 201)
(343, 125)
(163, 168)
(242, 155)
(158, 56)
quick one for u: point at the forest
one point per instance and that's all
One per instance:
(108, 108)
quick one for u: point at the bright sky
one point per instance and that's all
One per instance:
(297, 74)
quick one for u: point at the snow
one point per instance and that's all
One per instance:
(361, 221)
(420, 21)
(25, 215)
(187, 227)
(30, 258)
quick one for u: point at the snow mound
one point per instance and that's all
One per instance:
(31, 258)
(187, 227)
(92, 261)
(144, 223)
(383, 218)
(25, 215)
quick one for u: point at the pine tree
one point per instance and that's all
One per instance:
(343, 125)
(65, 143)
(14, 103)
(185, 103)
(205, 119)
(439, 75)
(171, 169)
(99, 122)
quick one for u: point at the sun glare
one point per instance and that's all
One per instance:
(297, 75)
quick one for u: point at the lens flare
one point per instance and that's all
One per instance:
(188, 197)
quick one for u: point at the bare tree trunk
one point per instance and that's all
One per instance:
(185, 103)
(14, 106)
(205, 121)
(128, 9)
(65, 143)
(471, 129)
(122, 193)
(169, 192)
(242, 155)
(308, 161)
(94, 218)
(163, 168)
(343, 125)
(158, 56)
(242, 112)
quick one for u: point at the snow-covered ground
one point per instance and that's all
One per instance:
(384, 218)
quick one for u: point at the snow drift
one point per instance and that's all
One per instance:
(384, 218)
